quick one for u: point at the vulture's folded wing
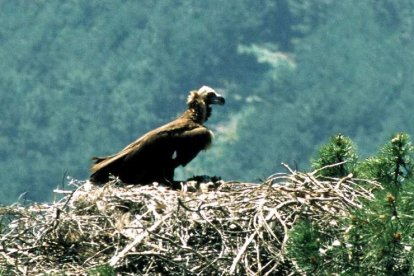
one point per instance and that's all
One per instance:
(190, 142)
(179, 138)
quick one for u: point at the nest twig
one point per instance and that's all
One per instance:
(222, 229)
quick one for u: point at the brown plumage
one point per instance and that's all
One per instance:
(155, 155)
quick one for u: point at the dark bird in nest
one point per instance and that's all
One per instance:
(155, 155)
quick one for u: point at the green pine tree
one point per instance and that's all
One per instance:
(318, 251)
(386, 227)
(339, 150)
(375, 240)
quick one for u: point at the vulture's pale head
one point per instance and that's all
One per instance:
(201, 100)
(206, 94)
(210, 96)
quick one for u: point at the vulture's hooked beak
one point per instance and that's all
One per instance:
(218, 99)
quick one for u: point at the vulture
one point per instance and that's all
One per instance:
(154, 156)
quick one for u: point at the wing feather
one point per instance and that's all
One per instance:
(191, 142)
(174, 129)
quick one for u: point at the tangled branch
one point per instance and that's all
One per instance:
(225, 228)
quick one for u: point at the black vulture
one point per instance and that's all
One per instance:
(155, 155)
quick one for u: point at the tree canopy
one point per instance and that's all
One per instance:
(84, 78)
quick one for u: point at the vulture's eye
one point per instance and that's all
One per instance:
(211, 95)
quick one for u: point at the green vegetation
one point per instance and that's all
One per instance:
(375, 240)
(103, 270)
(339, 150)
(83, 78)
(325, 222)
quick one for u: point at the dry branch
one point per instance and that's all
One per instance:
(233, 228)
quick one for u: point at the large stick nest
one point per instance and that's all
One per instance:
(222, 228)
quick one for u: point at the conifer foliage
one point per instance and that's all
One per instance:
(374, 240)
(346, 217)
(340, 150)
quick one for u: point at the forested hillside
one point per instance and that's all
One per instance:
(84, 78)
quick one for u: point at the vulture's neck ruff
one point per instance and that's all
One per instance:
(199, 101)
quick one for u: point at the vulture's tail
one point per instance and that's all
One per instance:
(97, 160)
(98, 176)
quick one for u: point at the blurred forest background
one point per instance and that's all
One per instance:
(86, 77)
